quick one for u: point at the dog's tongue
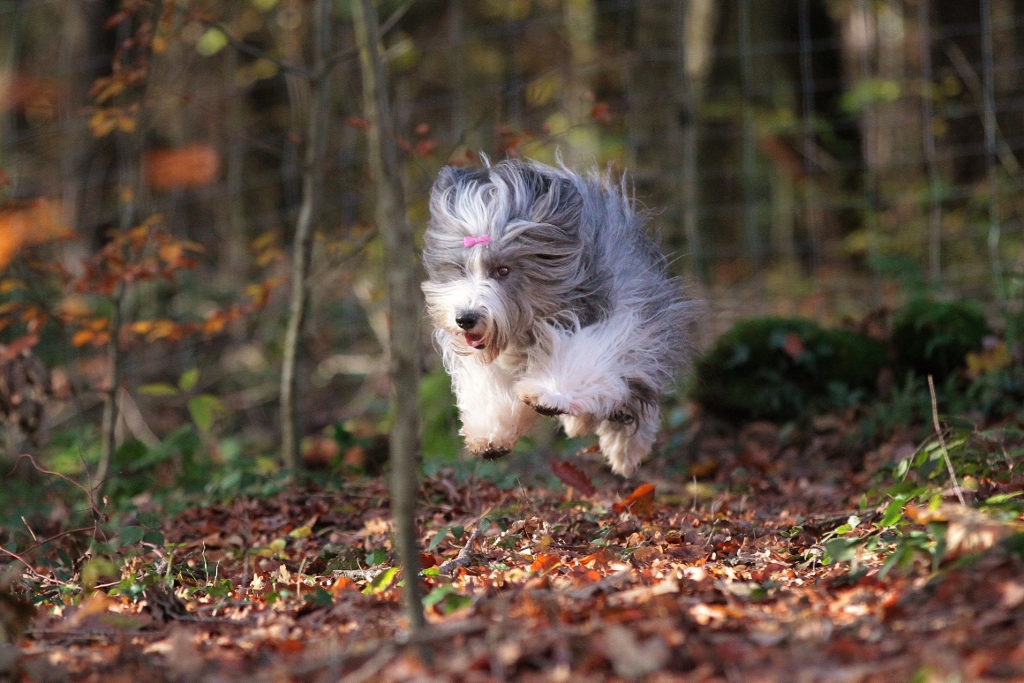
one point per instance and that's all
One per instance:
(474, 340)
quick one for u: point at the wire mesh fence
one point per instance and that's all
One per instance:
(798, 155)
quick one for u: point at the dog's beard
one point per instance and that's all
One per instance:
(501, 321)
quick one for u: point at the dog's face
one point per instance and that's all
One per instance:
(502, 252)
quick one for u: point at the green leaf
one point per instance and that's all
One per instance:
(447, 598)
(158, 389)
(211, 42)
(438, 594)
(378, 556)
(130, 535)
(438, 537)
(892, 514)
(1014, 543)
(188, 379)
(1002, 498)
(204, 409)
(154, 537)
(381, 581)
(95, 569)
(841, 549)
(320, 598)
(902, 551)
(902, 467)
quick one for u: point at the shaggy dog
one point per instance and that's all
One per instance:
(549, 297)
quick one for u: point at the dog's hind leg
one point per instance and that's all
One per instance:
(493, 418)
(625, 444)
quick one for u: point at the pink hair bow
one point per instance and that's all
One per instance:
(471, 241)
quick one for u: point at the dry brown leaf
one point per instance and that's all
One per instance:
(570, 475)
(639, 503)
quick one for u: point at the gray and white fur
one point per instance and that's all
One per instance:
(549, 297)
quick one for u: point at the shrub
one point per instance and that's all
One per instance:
(934, 337)
(778, 368)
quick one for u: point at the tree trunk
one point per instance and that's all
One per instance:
(302, 243)
(404, 314)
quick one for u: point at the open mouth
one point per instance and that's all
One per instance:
(475, 341)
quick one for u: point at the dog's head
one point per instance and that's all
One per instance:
(502, 252)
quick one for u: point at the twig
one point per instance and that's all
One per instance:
(25, 522)
(942, 441)
(332, 61)
(51, 539)
(252, 51)
(33, 572)
(463, 558)
(970, 77)
(385, 27)
(39, 468)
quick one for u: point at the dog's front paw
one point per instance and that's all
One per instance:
(487, 449)
(546, 402)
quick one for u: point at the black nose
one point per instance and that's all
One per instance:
(466, 320)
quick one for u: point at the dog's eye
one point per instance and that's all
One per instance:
(501, 271)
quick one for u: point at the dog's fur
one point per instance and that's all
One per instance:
(563, 305)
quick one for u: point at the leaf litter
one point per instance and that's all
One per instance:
(736, 578)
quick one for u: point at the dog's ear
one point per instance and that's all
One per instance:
(559, 202)
(448, 176)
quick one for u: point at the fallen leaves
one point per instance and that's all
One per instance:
(616, 585)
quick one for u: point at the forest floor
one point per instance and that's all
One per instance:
(761, 563)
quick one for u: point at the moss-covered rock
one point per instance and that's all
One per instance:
(934, 337)
(778, 368)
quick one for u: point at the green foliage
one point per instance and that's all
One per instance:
(934, 337)
(447, 598)
(777, 368)
(438, 418)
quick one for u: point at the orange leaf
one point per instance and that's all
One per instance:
(343, 584)
(570, 475)
(545, 562)
(27, 222)
(185, 167)
(425, 148)
(793, 345)
(17, 346)
(640, 502)
(600, 113)
(357, 123)
(82, 337)
(599, 559)
(291, 645)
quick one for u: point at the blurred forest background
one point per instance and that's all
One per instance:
(826, 158)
